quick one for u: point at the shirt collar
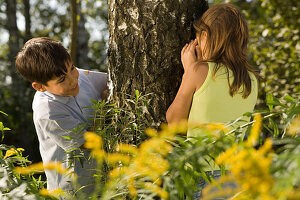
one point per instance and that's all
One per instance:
(62, 99)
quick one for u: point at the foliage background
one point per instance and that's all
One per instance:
(274, 50)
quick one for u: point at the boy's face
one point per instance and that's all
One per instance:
(65, 85)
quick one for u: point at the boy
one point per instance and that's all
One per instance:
(60, 104)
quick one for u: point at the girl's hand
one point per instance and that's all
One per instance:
(188, 55)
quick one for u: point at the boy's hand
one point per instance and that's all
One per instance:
(188, 55)
(104, 94)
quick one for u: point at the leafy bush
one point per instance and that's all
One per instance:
(167, 165)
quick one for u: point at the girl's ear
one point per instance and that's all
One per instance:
(204, 35)
(38, 87)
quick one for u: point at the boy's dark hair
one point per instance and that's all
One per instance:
(42, 59)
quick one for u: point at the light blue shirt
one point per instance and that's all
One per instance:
(55, 117)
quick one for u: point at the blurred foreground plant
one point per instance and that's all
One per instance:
(265, 169)
(262, 162)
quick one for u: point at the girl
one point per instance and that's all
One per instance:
(218, 84)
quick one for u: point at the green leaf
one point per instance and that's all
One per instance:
(273, 125)
(289, 98)
(137, 94)
(94, 101)
(270, 99)
(3, 113)
(67, 137)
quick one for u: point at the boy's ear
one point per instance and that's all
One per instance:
(38, 86)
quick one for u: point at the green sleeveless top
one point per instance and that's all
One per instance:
(212, 103)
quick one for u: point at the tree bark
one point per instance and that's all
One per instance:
(27, 19)
(146, 37)
(82, 42)
(74, 29)
(14, 46)
(12, 28)
(21, 89)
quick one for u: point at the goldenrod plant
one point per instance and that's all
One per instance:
(260, 157)
(15, 186)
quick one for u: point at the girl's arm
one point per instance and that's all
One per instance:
(180, 108)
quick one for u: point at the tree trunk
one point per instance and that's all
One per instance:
(21, 89)
(27, 19)
(74, 28)
(82, 42)
(12, 28)
(14, 46)
(146, 38)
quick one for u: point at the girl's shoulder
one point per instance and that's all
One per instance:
(201, 70)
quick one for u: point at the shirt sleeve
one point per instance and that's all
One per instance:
(66, 131)
(98, 80)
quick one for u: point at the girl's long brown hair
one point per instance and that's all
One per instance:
(227, 38)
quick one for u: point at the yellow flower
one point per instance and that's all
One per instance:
(267, 147)
(20, 149)
(54, 193)
(114, 158)
(294, 127)
(12, 152)
(93, 141)
(155, 145)
(250, 167)
(157, 181)
(169, 131)
(144, 170)
(151, 132)
(55, 166)
(225, 155)
(37, 167)
(98, 155)
(145, 163)
(132, 189)
(214, 127)
(255, 130)
(126, 148)
(157, 190)
(40, 167)
(148, 162)
(44, 192)
(116, 172)
(157, 163)
(294, 194)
